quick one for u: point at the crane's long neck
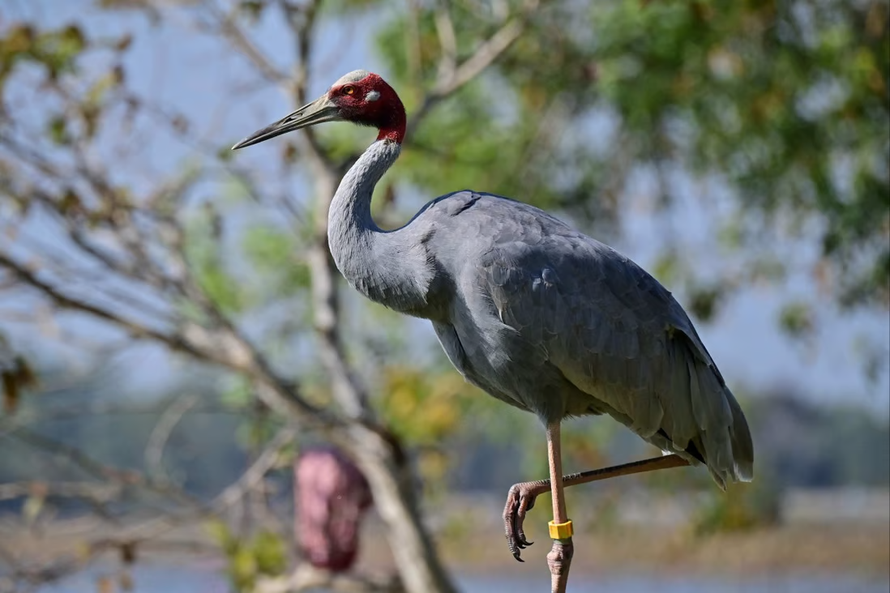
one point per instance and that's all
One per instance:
(390, 268)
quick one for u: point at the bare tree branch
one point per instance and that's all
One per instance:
(154, 450)
(265, 461)
(240, 41)
(447, 40)
(173, 341)
(119, 478)
(95, 468)
(128, 537)
(301, 20)
(100, 491)
(125, 292)
(487, 52)
(412, 43)
(227, 348)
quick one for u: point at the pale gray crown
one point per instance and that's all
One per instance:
(354, 76)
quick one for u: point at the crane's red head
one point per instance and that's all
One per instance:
(365, 98)
(359, 97)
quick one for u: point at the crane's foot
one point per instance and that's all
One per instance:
(560, 560)
(520, 500)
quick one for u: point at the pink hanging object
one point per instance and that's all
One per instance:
(331, 496)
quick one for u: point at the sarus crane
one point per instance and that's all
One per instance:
(533, 312)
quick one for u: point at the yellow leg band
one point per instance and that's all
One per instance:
(560, 530)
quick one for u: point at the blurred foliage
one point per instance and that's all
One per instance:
(425, 409)
(800, 444)
(16, 376)
(56, 50)
(210, 264)
(263, 554)
(273, 252)
(58, 53)
(796, 319)
(740, 508)
(784, 101)
(506, 132)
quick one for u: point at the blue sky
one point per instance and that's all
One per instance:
(178, 67)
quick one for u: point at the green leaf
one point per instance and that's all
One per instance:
(797, 319)
(270, 553)
(57, 130)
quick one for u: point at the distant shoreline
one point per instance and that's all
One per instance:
(863, 550)
(831, 549)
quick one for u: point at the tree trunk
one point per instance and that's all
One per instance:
(396, 500)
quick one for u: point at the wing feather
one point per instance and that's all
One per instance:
(621, 338)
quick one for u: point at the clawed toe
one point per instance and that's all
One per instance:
(520, 500)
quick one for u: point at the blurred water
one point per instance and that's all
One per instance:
(177, 579)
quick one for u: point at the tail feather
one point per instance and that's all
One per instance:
(742, 444)
(724, 434)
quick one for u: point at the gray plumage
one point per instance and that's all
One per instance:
(543, 317)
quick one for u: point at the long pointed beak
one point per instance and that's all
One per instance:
(319, 111)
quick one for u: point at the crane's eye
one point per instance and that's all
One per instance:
(349, 90)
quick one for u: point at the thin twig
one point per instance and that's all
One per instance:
(447, 41)
(301, 20)
(173, 341)
(412, 43)
(227, 347)
(99, 491)
(233, 33)
(487, 52)
(154, 450)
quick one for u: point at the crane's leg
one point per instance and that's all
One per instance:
(521, 497)
(560, 557)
